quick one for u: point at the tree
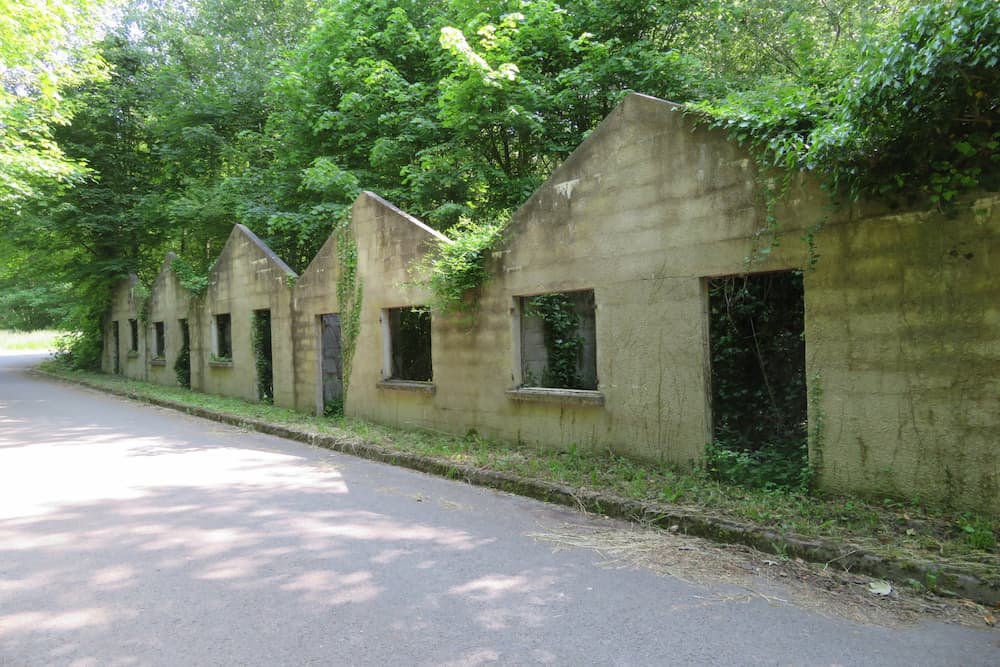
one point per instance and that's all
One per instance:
(44, 48)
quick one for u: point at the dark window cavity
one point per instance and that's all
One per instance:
(159, 334)
(223, 337)
(410, 342)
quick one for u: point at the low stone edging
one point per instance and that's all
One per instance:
(848, 557)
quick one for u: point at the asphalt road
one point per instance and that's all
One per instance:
(132, 535)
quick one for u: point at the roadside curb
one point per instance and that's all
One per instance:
(846, 557)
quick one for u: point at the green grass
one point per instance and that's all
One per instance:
(886, 525)
(28, 341)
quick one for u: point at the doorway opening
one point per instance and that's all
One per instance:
(759, 406)
(331, 368)
(263, 357)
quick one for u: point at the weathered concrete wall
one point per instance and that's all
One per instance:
(389, 243)
(169, 303)
(902, 321)
(247, 276)
(903, 344)
(315, 294)
(639, 214)
(126, 304)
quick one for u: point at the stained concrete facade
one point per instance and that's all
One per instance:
(902, 319)
(124, 339)
(247, 277)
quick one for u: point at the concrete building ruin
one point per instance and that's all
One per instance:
(901, 319)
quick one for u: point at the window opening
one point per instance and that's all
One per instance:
(182, 365)
(331, 365)
(410, 343)
(133, 344)
(223, 337)
(116, 348)
(559, 340)
(159, 336)
(759, 406)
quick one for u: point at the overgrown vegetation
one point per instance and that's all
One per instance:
(889, 526)
(563, 343)
(455, 111)
(456, 268)
(908, 111)
(756, 328)
(349, 291)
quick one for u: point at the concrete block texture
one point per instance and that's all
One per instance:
(902, 322)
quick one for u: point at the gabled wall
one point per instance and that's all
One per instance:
(389, 243)
(126, 304)
(169, 303)
(902, 316)
(246, 277)
(315, 294)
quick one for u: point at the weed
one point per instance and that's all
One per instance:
(978, 531)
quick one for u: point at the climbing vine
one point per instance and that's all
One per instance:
(457, 267)
(563, 343)
(349, 290)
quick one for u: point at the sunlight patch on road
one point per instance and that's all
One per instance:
(84, 466)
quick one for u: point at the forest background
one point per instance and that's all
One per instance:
(129, 129)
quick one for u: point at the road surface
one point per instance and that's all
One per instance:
(132, 535)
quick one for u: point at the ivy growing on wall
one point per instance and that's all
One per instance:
(457, 267)
(349, 290)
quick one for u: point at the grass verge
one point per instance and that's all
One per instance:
(28, 341)
(913, 532)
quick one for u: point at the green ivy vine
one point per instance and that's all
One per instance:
(456, 267)
(563, 343)
(349, 291)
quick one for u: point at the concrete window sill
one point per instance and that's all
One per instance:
(581, 397)
(158, 361)
(221, 363)
(407, 385)
(132, 354)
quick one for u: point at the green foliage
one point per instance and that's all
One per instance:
(45, 48)
(979, 532)
(457, 267)
(44, 306)
(909, 111)
(349, 291)
(561, 323)
(190, 278)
